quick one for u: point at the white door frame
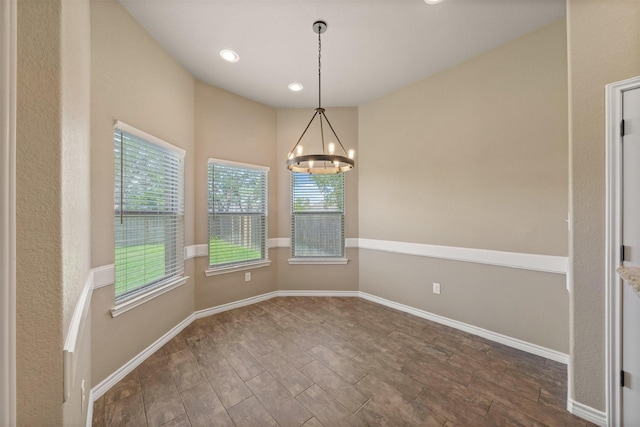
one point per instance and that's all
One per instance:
(8, 48)
(613, 295)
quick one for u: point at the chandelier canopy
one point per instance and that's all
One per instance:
(326, 160)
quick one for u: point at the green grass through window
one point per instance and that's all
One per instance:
(145, 263)
(221, 252)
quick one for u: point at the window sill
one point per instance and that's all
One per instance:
(147, 296)
(217, 271)
(326, 261)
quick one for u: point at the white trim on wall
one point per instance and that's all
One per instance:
(104, 276)
(587, 413)
(104, 386)
(194, 251)
(535, 262)
(100, 389)
(318, 294)
(475, 330)
(90, 409)
(279, 242)
(8, 51)
(76, 329)
(613, 239)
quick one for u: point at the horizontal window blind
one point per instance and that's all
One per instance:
(317, 215)
(149, 213)
(237, 214)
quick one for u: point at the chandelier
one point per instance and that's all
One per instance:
(327, 160)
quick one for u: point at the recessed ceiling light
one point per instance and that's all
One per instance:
(432, 1)
(296, 87)
(229, 55)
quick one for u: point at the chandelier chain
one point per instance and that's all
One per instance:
(319, 68)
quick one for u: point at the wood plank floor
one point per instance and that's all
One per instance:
(306, 361)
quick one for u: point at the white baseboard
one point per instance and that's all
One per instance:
(89, 420)
(318, 293)
(587, 412)
(233, 305)
(100, 389)
(475, 330)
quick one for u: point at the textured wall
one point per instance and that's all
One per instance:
(486, 147)
(53, 215)
(134, 80)
(230, 127)
(76, 191)
(291, 123)
(75, 157)
(603, 42)
(39, 294)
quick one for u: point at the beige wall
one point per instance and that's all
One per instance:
(39, 294)
(230, 127)
(75, 156)
(53, 221)
(529, 305)
(291, 123)
(76, 190)
(136, 81)
(486, 142)
(603, 41)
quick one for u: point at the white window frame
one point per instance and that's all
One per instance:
(240, 266)
(323, 260)
(153, 289)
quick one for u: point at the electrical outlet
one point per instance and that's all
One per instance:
(83, 398)
(436, 288)
(247, 276)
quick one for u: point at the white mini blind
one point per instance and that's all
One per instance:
(149, 212)
(317, 215)
(237, 214)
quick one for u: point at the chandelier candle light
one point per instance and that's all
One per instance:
(327, 161)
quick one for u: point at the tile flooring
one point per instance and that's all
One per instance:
(307, 361)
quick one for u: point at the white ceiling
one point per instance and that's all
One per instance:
(371, 47)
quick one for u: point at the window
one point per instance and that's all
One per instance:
(317, 216)
(237, 216)
(149, 212)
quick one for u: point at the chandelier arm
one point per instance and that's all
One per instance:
(334, 132)
(322, 132)
(305, 131)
